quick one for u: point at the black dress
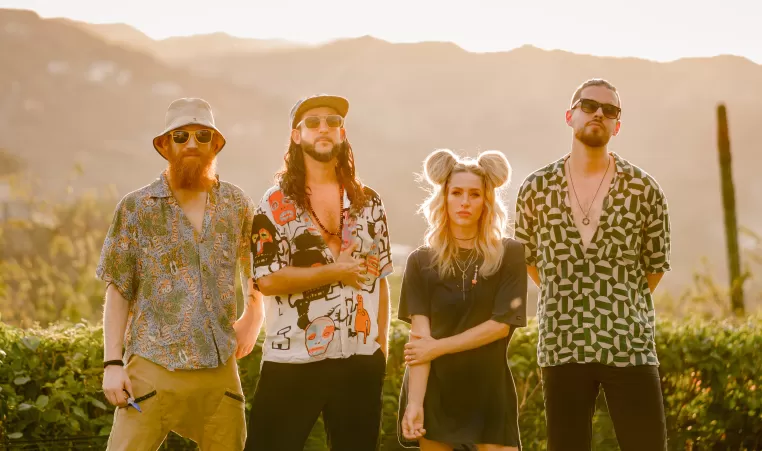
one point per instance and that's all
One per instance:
(470, 396)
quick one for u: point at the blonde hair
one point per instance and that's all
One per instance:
(495, 171)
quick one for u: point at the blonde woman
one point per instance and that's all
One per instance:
(464, 294)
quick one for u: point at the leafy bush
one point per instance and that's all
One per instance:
(50, 386)
(48, 255)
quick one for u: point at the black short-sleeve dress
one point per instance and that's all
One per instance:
(470, 396)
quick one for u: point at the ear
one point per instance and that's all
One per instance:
(343, 134)
(568, 117)
(164, 142)
(296, 136)
(217, 143)
(618, 126)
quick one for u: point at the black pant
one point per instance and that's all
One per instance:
(633, 396)
(289, 397)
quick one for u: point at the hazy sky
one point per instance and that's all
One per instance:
(661, 30)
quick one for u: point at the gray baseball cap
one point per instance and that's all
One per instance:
(338, 103)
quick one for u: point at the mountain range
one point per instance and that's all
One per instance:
(95, 95)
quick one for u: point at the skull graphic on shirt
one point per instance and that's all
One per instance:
(283, 208)
(318, 335)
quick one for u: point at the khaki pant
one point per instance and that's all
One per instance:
(205, 405)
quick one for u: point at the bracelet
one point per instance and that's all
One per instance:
(113, 362)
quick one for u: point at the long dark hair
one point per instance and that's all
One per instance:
(292, 177)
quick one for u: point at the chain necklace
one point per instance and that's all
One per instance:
(464, 269)
(341, 215)
(586, 219)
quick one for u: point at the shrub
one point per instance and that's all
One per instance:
(50, 383)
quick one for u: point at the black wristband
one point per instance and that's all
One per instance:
(113, 362)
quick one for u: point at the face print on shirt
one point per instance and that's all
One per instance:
(319, 335)
(283, 209)
(262, 238)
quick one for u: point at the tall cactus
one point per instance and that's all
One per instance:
(729, 205)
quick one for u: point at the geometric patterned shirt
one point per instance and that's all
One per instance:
(180, 284)
(595, 305)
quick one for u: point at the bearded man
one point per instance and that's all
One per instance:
(171, 337)
(596, 236)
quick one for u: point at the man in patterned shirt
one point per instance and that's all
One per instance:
(169, 260)
(320, 250)
(596, 232)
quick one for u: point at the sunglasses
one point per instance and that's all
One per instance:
(591, 106)
(203, 136)
(332, 121)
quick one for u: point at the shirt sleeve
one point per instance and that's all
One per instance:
(244, 246)
(381, 239)
(655, 250)
(525, 230)
(510, 305)
(119, 255)
(270, 250)
(413, 299)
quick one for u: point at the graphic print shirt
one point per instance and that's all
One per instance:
(332, 321)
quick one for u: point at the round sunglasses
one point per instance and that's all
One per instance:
(591, 106)
(203, 136)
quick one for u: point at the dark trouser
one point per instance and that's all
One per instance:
(633, 396)
(289, 397)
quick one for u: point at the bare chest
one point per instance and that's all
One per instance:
(326, 213)
(585, 196)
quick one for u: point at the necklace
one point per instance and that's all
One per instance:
(586, 219)
(464, 269)
(341, 215)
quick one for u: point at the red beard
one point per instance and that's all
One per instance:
(193, 173)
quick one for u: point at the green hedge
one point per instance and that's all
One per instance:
(50, 387)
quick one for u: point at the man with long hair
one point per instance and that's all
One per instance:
(597, 238)
(169, 260)
(321, 254)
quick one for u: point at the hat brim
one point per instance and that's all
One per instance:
(340, 104)
(182, 122)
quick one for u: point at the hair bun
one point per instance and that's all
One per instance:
(438, 166)
(495, 166)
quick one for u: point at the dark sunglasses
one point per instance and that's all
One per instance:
(203, 136)
(591, 106)
(332, 120)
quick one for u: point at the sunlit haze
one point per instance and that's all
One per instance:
(659, 30)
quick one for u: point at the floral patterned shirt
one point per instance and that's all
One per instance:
(180, 284)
